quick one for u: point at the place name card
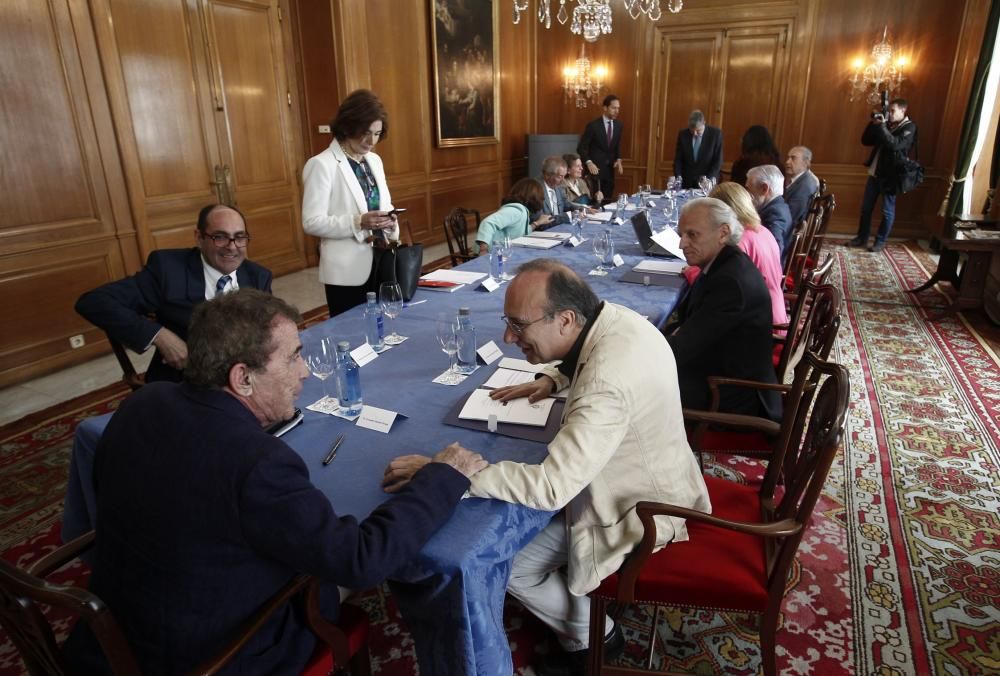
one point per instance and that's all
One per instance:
(363, 354)
(618, 261)
(574, 241)
(490, 284)
(378, 419)
(489, 352)
(618, 220)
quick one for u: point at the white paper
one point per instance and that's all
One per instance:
(378, 419)
(489, 352)
(520, 365)
(363, 354)
(618, 261)
(450, 377)
(574, 241)
(454, 276)
(601, 216)
(670, 241)
(479, 406)
(619, 220)
(390, 340)
(329, 405)
(660, 267)
(610, 207)
(548, 234)
(507, 377)
(490, 284)
(535, 242)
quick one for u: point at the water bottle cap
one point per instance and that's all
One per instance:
(371, 296)
(463, 312)
(343, 346)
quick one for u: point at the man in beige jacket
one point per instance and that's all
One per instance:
(621, 441)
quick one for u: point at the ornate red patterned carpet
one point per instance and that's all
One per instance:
(898, 574)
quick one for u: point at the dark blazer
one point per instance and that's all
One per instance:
(202, 516)
(891, 147)
(169, 287)
(776, 217)
(709, 156)
(593, 145)
(559, 216)
(798, 195)
(724, 329)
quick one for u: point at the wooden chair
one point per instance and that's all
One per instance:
(788, 348)
(750, 539)
(456, 230)
(344, 645)
(129, 375)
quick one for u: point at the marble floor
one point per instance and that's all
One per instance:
(302, 289)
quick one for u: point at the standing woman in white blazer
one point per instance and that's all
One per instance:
(346, 201)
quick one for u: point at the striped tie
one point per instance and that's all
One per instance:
(222, 283)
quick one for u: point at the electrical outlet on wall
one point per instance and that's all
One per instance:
(324, 129)
(76, 341)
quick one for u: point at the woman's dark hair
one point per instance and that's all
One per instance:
(569, 159)
(757, 140)
(357, 113)
(528, 192)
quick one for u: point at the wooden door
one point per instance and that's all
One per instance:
(254, 121)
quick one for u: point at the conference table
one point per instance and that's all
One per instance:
(451, 595)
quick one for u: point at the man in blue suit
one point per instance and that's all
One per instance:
(203, 516)
(766, 185)
(555, 204)
(169, 287)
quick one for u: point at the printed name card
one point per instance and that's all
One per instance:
(618, 261)
(378, 419)
(574, 241)
(363, 354)
(489, 352)
(618, 220)
(490, 284)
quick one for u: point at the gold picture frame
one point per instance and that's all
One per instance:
(464, 44)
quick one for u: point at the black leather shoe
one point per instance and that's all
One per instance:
(574, 663)
(876, 247)
(856, 242)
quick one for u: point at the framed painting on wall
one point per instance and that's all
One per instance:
(466, 72)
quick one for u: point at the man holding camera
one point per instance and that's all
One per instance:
(891, 134)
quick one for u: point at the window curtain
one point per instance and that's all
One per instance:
(953, 204)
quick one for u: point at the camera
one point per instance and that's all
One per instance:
(883, 114)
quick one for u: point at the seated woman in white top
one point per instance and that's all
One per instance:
(518, 215)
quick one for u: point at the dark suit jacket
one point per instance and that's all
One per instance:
(593, 146)
(169, 287)
(202, 516)
(799, 193)
(709, 156)
(776, 217)
(724, 329)
(559, 216)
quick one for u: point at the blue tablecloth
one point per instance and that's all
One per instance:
(451, 595)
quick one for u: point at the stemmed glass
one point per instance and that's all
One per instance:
(446, 326)
(604, 249)
(322, 361)
(390, 297)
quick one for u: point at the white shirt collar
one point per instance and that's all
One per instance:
(212, 277)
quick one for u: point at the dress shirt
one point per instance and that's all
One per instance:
(212, 277)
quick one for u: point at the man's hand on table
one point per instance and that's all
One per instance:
(172, 348)
(401, 470)
(536, 390)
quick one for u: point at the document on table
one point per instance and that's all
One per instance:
(520, 365)
(600, 216)
(535, 242)
(506, 377)
(479, 406)
(547, 234)
(670, 241)
(660, 267)
(453, 276)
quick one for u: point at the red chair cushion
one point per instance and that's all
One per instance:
(353, 622)
(721, 442)
(715, 567)
(776, 352)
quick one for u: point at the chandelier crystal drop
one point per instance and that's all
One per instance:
(583, 83)
(882, 72)
(592, 18)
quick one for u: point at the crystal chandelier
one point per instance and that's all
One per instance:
(883, 72)
(592, 18)
(579, 84)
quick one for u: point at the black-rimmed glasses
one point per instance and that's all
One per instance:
(518, 326)
(222, 241)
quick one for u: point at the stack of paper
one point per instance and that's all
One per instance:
(479, 406)
(535, 242)
(670, 241)
(600, 216)
(660, 267)
(454, 276)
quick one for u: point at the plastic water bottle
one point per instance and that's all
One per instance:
(578, 224)
(374, 324)
(349, 380)
(466, 338)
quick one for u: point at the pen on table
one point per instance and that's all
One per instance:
(333, 451)
(416, 302)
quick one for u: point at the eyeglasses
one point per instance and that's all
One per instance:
(222, 241)
(518, 327)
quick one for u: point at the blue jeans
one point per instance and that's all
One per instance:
(872, 191)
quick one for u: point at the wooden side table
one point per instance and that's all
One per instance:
(981, 254)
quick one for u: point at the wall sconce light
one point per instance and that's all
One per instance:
(882, 72)
(581, 82)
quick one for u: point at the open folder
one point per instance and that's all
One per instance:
(509, 429)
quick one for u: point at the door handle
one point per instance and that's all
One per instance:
(227, 176)
(219, 182)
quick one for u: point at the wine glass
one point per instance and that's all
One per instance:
(390, 297)
(322, 360)
(447, 338)
(703, 184)
(603, 246)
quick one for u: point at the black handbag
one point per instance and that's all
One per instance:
(911, 174)
(399, 264)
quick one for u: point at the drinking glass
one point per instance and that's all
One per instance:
(622, 203)
(703, 184)
(322, 360)
(390, 297)
(603, 249)
(446, 326)
(644, 191)
(577, 223)
(505, 248)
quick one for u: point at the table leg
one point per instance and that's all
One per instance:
(947, 271)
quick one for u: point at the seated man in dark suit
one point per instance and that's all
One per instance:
(203, 516)
(723, 325)
(766, 185)
(555, 204)
(802, 183)
(698, 152)
(171, 284)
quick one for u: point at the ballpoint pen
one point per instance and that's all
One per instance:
(333, 451)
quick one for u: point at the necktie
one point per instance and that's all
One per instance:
(221, 284)
(609, 133)
(552, 201)
(697, 146)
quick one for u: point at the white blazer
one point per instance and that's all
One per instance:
(332, 206)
